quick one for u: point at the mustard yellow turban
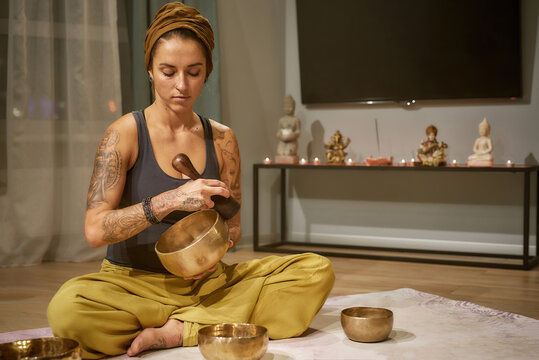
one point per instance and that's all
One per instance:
(176, 15)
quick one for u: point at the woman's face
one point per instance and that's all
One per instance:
(178, 72)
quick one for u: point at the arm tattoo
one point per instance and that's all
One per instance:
(229, 150)
(107, 166)
(122, 224)
(169, 200)
(230, 174)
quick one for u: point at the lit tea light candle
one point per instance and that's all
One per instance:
(454, 162)
(267, 160)
(349, 161)
(509, 163)
(316, 160)
(403, 162)
(412, 162)
(303, 161)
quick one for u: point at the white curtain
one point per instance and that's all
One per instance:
(63, 89)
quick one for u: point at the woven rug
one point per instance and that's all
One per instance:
(426, 326)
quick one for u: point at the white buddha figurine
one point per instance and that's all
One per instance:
(288, 134)
(482, 147)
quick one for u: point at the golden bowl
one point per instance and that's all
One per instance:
(194, 244)
(233, 342)
(42, 348)
(367, 324)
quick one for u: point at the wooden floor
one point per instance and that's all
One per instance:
(26, 291)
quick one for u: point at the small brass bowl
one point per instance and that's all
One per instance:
(233, 341)
(42, 348)
(194, 244)
(367, 324)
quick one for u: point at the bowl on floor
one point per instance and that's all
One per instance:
(367, 324)
(40, 349)
(233, 341)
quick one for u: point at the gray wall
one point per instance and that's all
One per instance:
(480, 212)
(252, 83)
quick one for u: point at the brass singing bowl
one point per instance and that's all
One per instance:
(42, 348)
(367, 324)
(233, 341)
(194, 244)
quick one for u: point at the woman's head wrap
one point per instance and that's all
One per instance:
(176, 15)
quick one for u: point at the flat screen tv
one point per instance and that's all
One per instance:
(402, 51)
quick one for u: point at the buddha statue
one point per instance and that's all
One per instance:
(431, 152)
(482, 147)
(288, 133)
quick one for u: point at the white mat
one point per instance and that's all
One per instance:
(426, 326)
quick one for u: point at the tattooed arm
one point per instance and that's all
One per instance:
(228, 156)
(105, 223)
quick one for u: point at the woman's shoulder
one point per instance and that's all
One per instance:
(125, 134)
(125, 121)
(221, 131)
(125, 126)
(226, 144)
(219, 126)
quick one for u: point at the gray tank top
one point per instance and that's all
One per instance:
(144, 179)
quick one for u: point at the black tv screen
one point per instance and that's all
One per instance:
(393, 50)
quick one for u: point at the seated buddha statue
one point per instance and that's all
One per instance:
(288, 133)
(482, 147)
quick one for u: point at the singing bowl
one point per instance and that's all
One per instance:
(42, 348)
(233, 341)
(194, 244)
(367, 324)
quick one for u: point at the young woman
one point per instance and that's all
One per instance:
(133, 303)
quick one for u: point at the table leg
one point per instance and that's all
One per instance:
(283, 206)
(255, 207)
(526, 230)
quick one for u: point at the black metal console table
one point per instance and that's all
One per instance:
(523, 261)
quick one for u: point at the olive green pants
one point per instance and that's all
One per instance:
(105, 311)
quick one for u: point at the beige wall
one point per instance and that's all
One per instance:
(260, 65)
(252, 83)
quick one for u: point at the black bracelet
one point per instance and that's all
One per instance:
(147, 207)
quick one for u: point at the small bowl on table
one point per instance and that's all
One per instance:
(194, 244)
(233, 341)
(367, 324)
(56, 348)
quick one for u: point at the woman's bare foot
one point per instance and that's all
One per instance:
(167, 336)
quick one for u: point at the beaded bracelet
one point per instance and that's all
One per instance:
(147, 207)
